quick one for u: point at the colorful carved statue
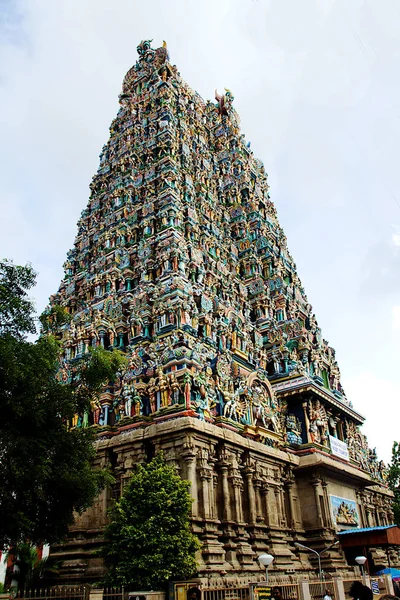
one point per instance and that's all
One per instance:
(293, 430)
(318, 422)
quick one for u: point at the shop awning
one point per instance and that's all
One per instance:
(384, 535)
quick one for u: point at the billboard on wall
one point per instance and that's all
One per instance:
(260, 591)
(339, 448)
(344, 512)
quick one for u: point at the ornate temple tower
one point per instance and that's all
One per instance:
(180, 262)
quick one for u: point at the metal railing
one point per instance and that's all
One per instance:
(115, 593)
(319, 589)
(233, 593)
(290, 591)
(59, 592)
(347, 583)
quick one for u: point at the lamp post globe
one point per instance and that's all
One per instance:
(361, 560)
(266, 560)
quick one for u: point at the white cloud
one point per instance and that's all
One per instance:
(316, 85)
(378, 399)
(396, 317)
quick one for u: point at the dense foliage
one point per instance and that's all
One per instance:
(148, 541)
(394, 480)
(45, 467)
(16, 308)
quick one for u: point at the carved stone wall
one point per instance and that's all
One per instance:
(248, 498)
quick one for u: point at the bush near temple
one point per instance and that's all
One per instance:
(149, 541)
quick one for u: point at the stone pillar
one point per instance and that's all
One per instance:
(106, 410)
(120, 339)
(282, 506)
(206, 462)
(189, 456)
(102, 336)
(105, 495)
(292, 511)
(339, 588)
(237, 484)
(316, 483)
(265, 492)
(306, 421)
(361, 503)
(304, 587)
(278, 505)
(205, 478)
(251, 495)
(226, 499)
(328, 513)
(257, 491)
(96, 594)
(213, 495)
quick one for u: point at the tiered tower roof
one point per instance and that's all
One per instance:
(180, 262)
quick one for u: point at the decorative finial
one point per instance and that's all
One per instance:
(144, 46)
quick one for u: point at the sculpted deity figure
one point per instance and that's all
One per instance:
(262, 407)
(316, 361)
(163, 387)
(137, 403)
(136, 323)
(230, 409)
(187, 380)
(96, 410)
(293, 357)
(111, 333)
(175, 388)
(126, 396)
(152, 394)
(318, 422)
(293, 430)
(203, 407)
(334, 376)
(186, 317)
(276, 362)
(207, 324)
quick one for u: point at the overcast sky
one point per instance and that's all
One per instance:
(317, 86)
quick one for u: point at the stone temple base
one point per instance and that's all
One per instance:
(249, 498)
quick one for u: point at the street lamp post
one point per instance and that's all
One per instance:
(361, 560)
(319, 559)
(266, 560)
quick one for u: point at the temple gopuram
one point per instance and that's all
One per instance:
(180, 262)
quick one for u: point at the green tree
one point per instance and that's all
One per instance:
(149, 541)
(45, 467)
(16, 308)
(394, 480)
(52, 319)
